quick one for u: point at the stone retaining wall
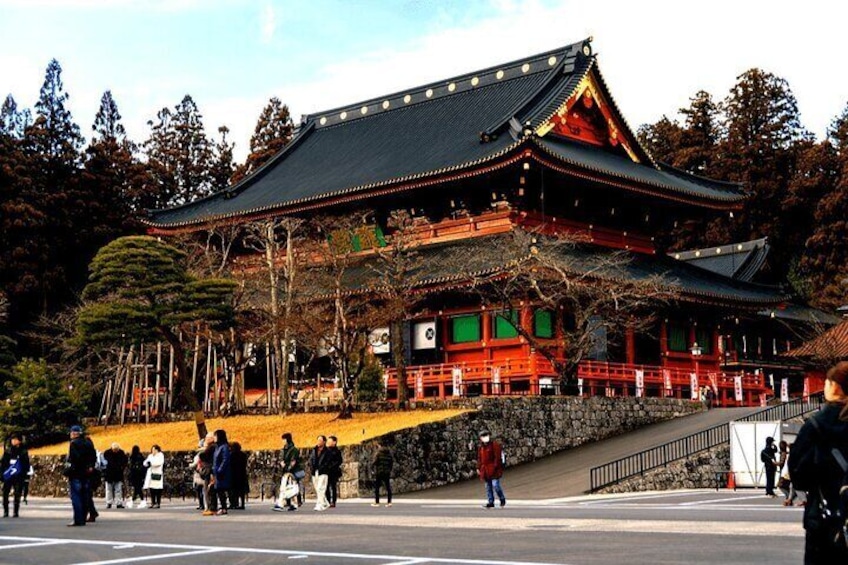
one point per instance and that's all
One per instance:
(444, 452)
(707, 469)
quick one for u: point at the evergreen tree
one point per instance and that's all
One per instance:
(222, 165)
(762, 132)
(273, 131)
(54, 135)
(12, 121)
(179, 156)
(662, 139)
(699, 136)
(825, 262)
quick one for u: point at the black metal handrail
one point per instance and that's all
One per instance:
(660, 455)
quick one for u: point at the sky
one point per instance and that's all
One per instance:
(233, 55)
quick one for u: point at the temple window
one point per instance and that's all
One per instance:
(543, 324)
(504, 324)
(465, 329)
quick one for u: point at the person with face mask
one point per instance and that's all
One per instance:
(490, 466)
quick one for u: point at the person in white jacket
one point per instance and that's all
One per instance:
(155, 479)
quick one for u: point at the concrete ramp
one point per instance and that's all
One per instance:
(567, 473)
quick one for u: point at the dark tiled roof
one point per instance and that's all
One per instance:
(453, 262)
(425, 132)
(618, 167)
(736, 260)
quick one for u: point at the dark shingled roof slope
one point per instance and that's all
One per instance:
(429, 131)
(740, 261)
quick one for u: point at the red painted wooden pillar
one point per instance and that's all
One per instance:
(630, 344)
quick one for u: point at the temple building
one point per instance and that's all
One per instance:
(537, 143)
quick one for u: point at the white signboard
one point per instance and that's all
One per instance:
(693, 385)
(379, 341)
(784, 390)
(737, 387)
(424, 335)
(667, 381)
(747, 440)
(640, 383)
(579, 385)
(496, 380)
(456, 381)
(419, 385)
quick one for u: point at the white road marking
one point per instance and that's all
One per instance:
(714, 500)
(197, 550)
(150, 557)
(125, 546)
(298, 557)
(409, 562)
(31, 544)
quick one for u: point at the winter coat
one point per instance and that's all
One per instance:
(116, 464)
(81, 459)
(811, 464)
(20, 452)
(137, 470)
(222, 467)
(334, 462)
(383, 462)
(319, 461)
(291, 459)
(490, 461)
(238, 465)
(155, 478)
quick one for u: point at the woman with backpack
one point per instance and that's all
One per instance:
(818, 464)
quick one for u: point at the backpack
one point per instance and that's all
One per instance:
(13, 471)
(835, 516)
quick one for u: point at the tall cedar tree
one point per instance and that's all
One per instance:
(273, 131)
(825, 262)
(179, 156)
(112, 173)
(221, 166)
(58, 233)
(140, 291)
(762, 131)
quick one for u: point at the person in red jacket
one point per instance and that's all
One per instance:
(490, 465)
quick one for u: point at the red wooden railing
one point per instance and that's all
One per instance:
(535, 375)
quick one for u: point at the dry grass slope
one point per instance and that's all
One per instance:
(257, 432)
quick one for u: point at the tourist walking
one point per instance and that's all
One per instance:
(240, 485)
(291, 466)
(490, 465)
(155, 479)
(78, 467)
(221, 470)
(196, 478)
(815, 467)
(14, 467)
(383, 463)
(207, 457)
(113, 475)
(137, 475)
(334, 470)
(769, 465)
(318, 465)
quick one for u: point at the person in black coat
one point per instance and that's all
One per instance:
(16, 454)
(137, 474)
(334, 470)
(815, 469)
(319, 467)
(383, 463)
(79, 466)
(239, 486)
(113, 475)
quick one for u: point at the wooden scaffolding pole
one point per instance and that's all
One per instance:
(268, 376)
(158, 376)
(170, 398)
(207, 399)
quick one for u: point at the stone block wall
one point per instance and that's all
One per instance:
(706, 469)
(444, 452)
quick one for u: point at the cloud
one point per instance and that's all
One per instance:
(267, 23)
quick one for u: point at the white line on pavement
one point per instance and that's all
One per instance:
(714, 500)
(409, 562)
(151, 557)
(31, 544)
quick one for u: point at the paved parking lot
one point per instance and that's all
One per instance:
(674, 527)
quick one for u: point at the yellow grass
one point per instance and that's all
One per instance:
(257, 432)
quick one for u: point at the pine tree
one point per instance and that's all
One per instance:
(273, 131)
(12, 121)
(54, 133)
(662, 139)
(222, 164)
(179, 156)
(700, 135)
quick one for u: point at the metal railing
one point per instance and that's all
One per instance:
(660, 455)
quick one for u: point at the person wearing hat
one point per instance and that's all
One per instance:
(490, 465)
(769, 465)
(79, 466)
(16, 458)
(815, 467)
